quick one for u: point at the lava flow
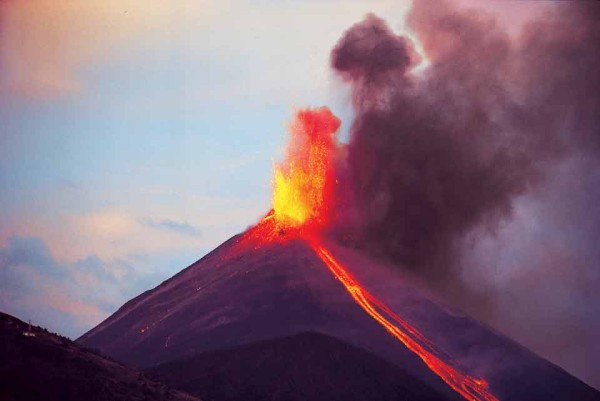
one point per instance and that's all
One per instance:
(467, 386)
(302, 192)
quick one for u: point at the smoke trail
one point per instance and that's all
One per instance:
(442, 157)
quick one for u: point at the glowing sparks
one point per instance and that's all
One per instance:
(302, 183)
(470, 388)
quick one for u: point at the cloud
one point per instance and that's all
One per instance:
(117, 233)
(171, 225)
(107, 223)
(29, 285)
(65, 297)
(23, 252)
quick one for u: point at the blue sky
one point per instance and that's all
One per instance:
(138, 135)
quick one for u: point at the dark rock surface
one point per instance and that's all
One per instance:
(49, 367)
(306, 366)
(239, 295)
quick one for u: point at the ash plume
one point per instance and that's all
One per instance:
(439, 160)
(433, 156)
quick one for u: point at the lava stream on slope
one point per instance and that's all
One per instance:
(470, 388)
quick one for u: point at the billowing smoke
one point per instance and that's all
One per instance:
(444, 164)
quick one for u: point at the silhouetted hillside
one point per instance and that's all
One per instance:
(48, 367)
(307, 366)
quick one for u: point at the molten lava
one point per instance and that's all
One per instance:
(302, 191)
(303, 183)
(470, 388)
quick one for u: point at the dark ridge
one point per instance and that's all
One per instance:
(306, 366)
(36, 365)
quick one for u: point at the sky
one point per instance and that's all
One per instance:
(137, 135)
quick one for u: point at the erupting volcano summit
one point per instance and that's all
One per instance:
(302, 188)
(303, 185)
(285, 277)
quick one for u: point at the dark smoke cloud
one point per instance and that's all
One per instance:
(438, 160)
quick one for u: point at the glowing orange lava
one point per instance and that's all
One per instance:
(470, 388)
(303, 183)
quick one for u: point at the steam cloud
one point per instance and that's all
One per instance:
(439, 161)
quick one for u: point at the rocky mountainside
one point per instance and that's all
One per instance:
(239, 295)
(306, 366)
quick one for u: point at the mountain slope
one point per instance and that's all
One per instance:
(47, 367)
(239, 294)
(247, 292)
(306, 366)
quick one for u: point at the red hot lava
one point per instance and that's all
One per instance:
(303, 184)
(302, 190)
(469, 387)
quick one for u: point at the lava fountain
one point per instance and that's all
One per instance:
(303, 187)
(303, 184)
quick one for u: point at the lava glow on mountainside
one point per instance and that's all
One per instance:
(303, 186)
(470, 388)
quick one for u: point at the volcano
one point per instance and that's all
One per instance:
(241, 294)
(283, 301)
